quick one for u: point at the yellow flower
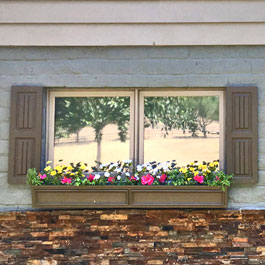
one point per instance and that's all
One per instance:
(58, 168)
(189, 179)
(70, 168)
(211, 164)
(208, 171)
(196, 173)
(192, 169)
(53, 173)
(72, 174)
(191, 163)
(202, 167)
(47, 168)
(216, 163)
(49, 162)
(183, 170)
(82, 166)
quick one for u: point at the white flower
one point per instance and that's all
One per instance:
(165, 169)
(137, 178)
(119, 177)
(127, 174)
(101, 166)
(115, 164)
(149, 167)
(106, 174)
(139, 168)
(111, 166)
(158, 176)
(127, 161)
(155, 171)
(118, 170)
(97, 176)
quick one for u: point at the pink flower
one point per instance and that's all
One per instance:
(163, 178)
(148, 179)
(66, 180)
(132, 178)
(199, 179)
(217, 178)
(42, 177)
(90, 178)
(111, 179)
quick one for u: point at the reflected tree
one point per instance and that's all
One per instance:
(185, 113)
(73, 114)
(190, 114)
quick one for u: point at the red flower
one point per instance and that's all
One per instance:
(217, 178)
(147, 180)
(111, 179)
(199, 179)
(163, 178)
(66, 180)
(132, 178)
(90, 178)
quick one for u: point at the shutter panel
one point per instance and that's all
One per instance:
(25, 132)
(242, 133)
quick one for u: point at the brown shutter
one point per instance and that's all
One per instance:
(25, 132)
(242, 133)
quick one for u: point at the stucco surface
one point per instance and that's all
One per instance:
(131, 67)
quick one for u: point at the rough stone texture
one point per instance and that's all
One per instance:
(132, 67)
(132, 237)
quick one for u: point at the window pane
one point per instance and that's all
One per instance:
(90, 129)
(181, 128)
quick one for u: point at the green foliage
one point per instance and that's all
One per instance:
(32, 177)
(222, 180)
(186, 113)
(121, 173)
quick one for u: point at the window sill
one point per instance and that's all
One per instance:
(128, 197)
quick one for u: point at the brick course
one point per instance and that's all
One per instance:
(113, 237)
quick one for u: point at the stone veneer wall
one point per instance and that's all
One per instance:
(131, 67)
(137, 237)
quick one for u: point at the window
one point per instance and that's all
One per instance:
(142, 125)
(30, 144)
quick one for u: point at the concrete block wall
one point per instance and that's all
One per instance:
(131, 67)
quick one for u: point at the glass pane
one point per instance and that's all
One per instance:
(184, 129)
(90, 129)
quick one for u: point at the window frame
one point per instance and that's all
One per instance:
(136, 128)
(52, 94)
(184, 93)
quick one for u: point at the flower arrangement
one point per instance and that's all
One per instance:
(123, 173)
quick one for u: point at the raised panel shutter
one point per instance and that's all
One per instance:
(25, 132)
(242, 133)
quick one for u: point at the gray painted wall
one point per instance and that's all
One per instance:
(131, 67)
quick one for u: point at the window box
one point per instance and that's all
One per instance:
(128, 197)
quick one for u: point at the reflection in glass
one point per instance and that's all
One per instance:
(90, 129)
(181, 128)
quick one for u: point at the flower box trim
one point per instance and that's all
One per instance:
(65, 197)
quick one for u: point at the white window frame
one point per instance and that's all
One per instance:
(172, 93)
(52, 94)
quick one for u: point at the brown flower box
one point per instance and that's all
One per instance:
(128, 197)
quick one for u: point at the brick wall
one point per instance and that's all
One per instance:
(110, 237)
